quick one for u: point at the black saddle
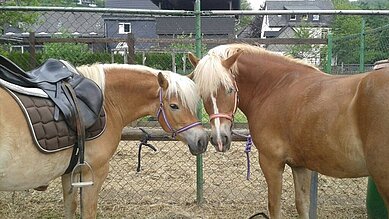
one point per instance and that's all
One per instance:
(55, 78)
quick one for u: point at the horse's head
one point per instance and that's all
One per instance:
(217, 86)
(178, 99)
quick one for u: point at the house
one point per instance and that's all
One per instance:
(58, 24)
(90, 3)
(120, 25)
(205, 4)
(272, 24)
(294, 26)
(167, 26)
(111, 25)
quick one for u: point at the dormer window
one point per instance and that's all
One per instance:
(124, 28)
(293, 17)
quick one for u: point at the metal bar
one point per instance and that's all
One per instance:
(313, 196)
(169, 40)
(158, 134)
(362, 47)
(288, 12)
(329, 53)
(98, 10)
(191, 13)
(199, 158)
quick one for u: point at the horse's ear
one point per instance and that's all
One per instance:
(227, 63)
(190, 76)
(163, 83)
(193, 59)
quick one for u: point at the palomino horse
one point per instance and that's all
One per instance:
(298, 115)
(130, 92)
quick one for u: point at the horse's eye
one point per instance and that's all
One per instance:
(230, 90)
(174, 106)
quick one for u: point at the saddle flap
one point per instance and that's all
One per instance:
(89, 99)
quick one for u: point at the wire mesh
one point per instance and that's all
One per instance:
(166, 185)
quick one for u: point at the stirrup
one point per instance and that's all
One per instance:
(82, 184)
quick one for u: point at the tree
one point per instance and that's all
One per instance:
(76, 53)
(303, 51)
(14, 17)
(244, 20)
(347, 32)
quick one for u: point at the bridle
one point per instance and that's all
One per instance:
(229, 116)
(174, 132)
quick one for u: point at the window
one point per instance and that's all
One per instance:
(17, 49)
(124, 28)
(304, 17)
(292, 17)
(316, 17)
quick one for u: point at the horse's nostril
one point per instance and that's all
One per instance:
(225, 139)
(199, 143)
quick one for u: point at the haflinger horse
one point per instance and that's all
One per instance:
(297, 115)
(130, 92)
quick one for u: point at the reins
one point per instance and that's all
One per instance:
(174, 132)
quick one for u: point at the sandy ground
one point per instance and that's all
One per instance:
(166, 188)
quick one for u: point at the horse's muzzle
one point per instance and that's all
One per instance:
(222, 143)
(200, 147)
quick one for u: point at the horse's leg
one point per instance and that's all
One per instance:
(90, 194)
(377, 163)
(69, 197)
(302, 179)
(273, 169)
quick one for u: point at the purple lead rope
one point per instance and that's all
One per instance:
(247, 150)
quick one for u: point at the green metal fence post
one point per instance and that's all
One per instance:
(362, 47)
(375, 205)
(199, 158)
(329, 53)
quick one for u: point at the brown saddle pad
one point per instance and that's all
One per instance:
(48, 134)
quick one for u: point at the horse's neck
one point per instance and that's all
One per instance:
(258, 76)
(131, 95)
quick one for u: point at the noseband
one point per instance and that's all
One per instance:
(174, 132)
(229, 116)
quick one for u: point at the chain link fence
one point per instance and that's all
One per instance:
(358, 52)
(166, 185)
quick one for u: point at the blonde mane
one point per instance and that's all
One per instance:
(180, 86)
(209, 74)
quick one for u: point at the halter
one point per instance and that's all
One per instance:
(229, 116)
(172, 130)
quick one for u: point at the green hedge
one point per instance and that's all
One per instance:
(154, 60)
